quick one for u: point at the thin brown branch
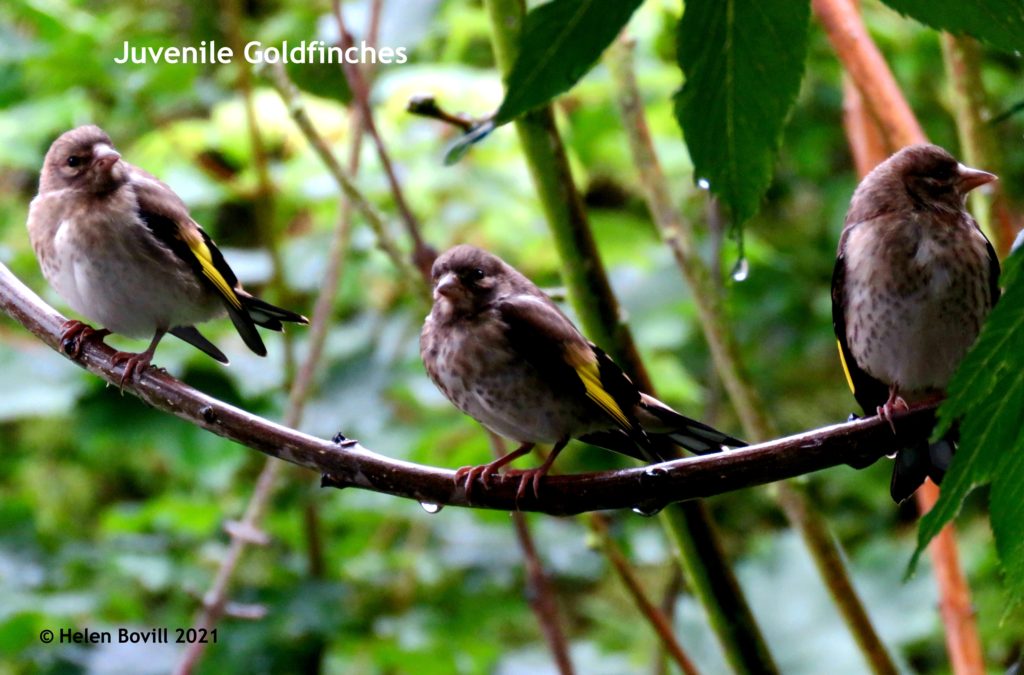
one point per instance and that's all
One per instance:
(425, 105)
(539, 591)
(350, 464)
(541, 598)
(423, 254)
(293, 100)
(216, 600)
(654, 615)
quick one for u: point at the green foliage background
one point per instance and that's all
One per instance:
(111, 514)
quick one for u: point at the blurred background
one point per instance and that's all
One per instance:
(112, 514)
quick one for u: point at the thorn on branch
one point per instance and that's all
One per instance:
(425, 105)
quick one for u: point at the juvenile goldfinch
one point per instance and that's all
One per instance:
(914, 280)
(120, 247)
(505, 355)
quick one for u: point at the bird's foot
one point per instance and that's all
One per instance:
(468, 475)
(893, 405)
(529, 477)
(133, 364)
(74, 334)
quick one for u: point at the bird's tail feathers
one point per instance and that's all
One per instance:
(660, 420)
(268, 315)
(915, 463)
(255, 312)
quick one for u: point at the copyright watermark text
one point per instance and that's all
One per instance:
(152, 636)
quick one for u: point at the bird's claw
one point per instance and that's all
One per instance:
(468, 475)
(889, 408)
(74, 334)
(133, 365)
(528, 479)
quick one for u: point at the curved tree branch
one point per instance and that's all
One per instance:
(350, 464)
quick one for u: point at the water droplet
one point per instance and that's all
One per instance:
(649, 509)
(891, 455)
(431, 508)
(741, 270)
(703, 183)
(656, 471)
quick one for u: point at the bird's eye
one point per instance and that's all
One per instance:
(74, 160)
(476, 274)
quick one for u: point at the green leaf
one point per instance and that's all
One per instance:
(1006, 505)
(998, 22)
(560, 41)
(987, 396)
(743, 60)
(321, 79)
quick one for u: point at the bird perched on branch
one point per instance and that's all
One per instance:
(914, 280)
(120, 247)
(505, 355)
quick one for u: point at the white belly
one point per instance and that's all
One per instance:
(916, 318)
(120, 286)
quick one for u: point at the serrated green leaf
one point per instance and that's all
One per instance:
(1006, 502)
(998, 22)
(743, 61)
(560, 41)
(987, 395)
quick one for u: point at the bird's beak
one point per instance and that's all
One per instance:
(105, 156)
(972, 178)
(447, 285)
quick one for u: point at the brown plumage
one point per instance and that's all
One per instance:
(121, 248)
(913, 282)
(504, 354)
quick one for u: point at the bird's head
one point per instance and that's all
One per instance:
(83, 159)
(933, 178)
(466, 279)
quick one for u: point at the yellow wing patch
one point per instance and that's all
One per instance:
(846, 369)
(591, 376)
(202, 253)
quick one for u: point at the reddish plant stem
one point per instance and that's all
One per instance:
(898, 126)
(866, 66)
(966, 656)
(654, 615)
(539, 592)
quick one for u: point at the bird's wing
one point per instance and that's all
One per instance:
(993, 272)
(539, 331)
(168, 219)
(869, 392)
